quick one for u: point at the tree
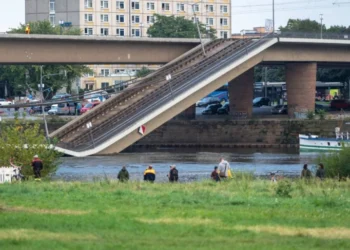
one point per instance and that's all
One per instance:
(22, 78)
(14, 136)
(177, 26)
(299, 25)
(143, 72)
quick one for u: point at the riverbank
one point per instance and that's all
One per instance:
(238, 214)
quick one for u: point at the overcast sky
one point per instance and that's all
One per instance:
(245, 14)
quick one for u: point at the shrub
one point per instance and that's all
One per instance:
(15, 136)
(284, 188)
(310, 115)
(337, 164)
(321, 113)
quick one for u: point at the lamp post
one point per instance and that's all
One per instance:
(321, 17)
(141, 26)
(61, 22)
(198, 29)
(42, 98)
(273, 16)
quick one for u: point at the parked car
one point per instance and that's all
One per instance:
(340, 104)
(320, 107)
(38, 109)
(211, 109)
(3, 102)
(224, 110)
(88, 106)
(279, 109)
(207, 101)
(61, 96)
(53, 109)
(66, 108)
(261, 101)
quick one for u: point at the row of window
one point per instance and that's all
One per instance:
(135, 5)
(150, 19)
(107, 72)
(134, 32)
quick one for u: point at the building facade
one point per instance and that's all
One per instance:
(128, 18)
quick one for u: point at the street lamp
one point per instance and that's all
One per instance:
(42, 97)
(61, 22)
(273, 16)
(198, 29)
(141, 25)
(321, 17)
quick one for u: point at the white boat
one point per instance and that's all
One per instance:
(315, 143)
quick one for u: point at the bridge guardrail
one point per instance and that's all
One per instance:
(314, 35)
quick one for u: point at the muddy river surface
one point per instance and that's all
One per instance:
(192, 165)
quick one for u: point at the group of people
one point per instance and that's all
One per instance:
(222, 171)
(37, 166)
(307, 174)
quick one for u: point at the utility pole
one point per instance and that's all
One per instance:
(273, 16)
(42, 107)
(199, 32)
(321, 17)
(265, 81)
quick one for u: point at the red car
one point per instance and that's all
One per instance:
(88, 106)
(340, 104)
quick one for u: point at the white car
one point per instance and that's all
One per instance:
(3, 102)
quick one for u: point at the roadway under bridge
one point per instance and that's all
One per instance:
(155, 99)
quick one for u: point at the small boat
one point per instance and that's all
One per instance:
(315, 143)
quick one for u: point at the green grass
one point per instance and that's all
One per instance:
(239, 214)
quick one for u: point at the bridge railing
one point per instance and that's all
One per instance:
(314, 35)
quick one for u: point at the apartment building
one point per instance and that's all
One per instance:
(125, 18)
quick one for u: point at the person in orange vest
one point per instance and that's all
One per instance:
(28, 29)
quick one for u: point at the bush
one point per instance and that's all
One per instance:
(310, 115)
(15, 136)
(337, 164)
(284, 188)
(321, 113)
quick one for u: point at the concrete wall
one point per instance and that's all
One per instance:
(237, 132)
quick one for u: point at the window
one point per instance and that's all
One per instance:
(104, 31)
(165, 6)
(119, 71)
(120, 5)
(135, 19)
(135, 5)
(223, 8)
(120, 18)
(104, 4)
(210, 21)
(223, 34)
(89, 86)
(52, 19)
(196, 7)
(120, 32)
(135, 32)
(195, 20)
(88, 31)
(89, 18)
(150, 19)
(104, 18)
(52, 5)
(150, 6)
(210, 8)
(223, 21)
(88, 3)
(104, 72)
(180, 7)
(104, 85)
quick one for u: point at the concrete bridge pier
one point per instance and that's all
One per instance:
(301, 87)
(189, 113)
(240, 92)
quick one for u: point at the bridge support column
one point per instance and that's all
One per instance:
(301, 87)
(189, 113)
(240, 92)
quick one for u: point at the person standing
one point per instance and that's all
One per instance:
(149, 174)
(37, 165)
(215, 175)
(223, 168)
(123, 175)
(173, 174)
(306, 173)
(320, 173)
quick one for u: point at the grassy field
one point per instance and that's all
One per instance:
(238, 214)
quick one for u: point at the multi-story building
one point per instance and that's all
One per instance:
(125, 18)
(128, 17)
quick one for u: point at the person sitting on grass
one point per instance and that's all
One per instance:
(173, 174)
(123, 175)
(149, 174)
(320, 173)
(306, 173)
(215, 175)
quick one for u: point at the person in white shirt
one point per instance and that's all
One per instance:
(223, 168)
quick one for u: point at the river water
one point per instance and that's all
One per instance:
(192, 165)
